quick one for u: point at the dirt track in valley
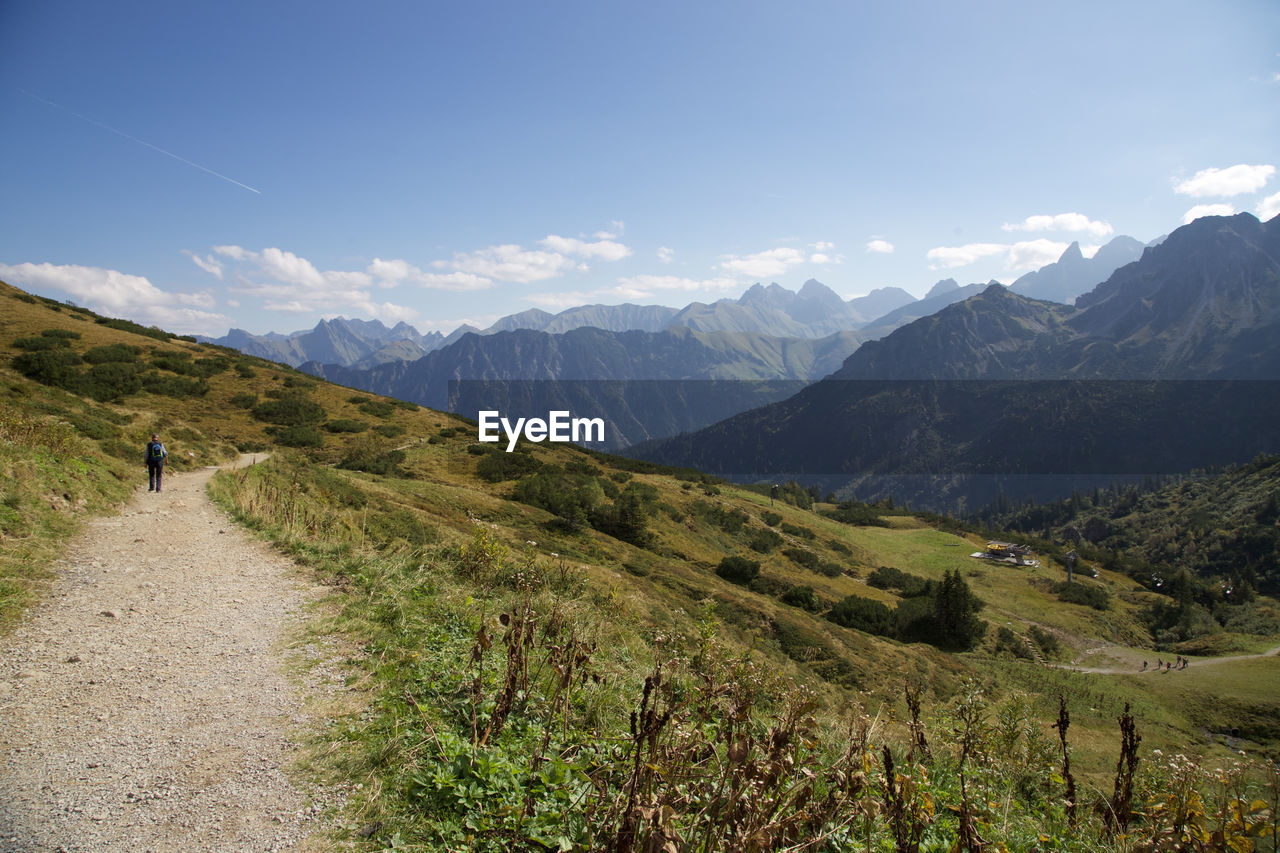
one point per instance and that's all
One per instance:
(146, 704)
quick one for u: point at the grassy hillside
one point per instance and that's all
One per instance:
(550, 650)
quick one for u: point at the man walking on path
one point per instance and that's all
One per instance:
(156, 454)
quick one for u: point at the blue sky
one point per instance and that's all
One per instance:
(261, 165)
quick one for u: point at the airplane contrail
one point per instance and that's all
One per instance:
(139, 141)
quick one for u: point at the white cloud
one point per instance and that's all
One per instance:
(1233, 180)
(820, 258)
(1033, 254)
(946, 257)
(120, 294)
(1090, 251)
(773, 262)
(666, 255)
(1075, 222)
(209, 263)
(1269, 207)
(631, 288)
(292, 284)
(510, 262)
(288, 267)
(822, 246)
(234, 252)
(616, 229)
(652, 283)
(396, 272)
(880, 247)
(1023, 255)
(606, 250)
(1207, 210)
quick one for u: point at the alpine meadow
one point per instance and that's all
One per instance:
(663, 427)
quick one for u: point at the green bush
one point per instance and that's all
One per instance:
(291, 409)
(1007, 641)
(300, 435)
(245, 370)
(803, 597)
(797, 530)
(497, 465)
(905, 584)
(244, 400)
(41, 344)
(738, 570)
(801, 557)
(130, 326)
(111, 381)
(770, 518)
(60, 333)
(349, 425)
(389, 430)
(49, 367)
(113, 353)
(863, 614)
(372, 460)
(174, 386)
(1047, 642)
(1087, 594)
(377, 409)
(763, 540)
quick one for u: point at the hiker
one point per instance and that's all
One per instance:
(1144, 666)
(156, 454)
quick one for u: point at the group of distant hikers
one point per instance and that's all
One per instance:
(1167, 665)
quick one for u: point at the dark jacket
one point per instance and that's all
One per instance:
(158, 456)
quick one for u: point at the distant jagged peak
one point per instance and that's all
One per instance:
(945, 286)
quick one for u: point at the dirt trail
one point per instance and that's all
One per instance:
(145, 704)
(1195, 664)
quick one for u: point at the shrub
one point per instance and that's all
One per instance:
(1007, 641)
(803, 597)
(291, 409)
(244, 400)
(130, 326)
(49, 367)
(1047, 642)
(389, 430)
(60, 333)
(800, 556)
(113, 353)
(828, 568)
(496, 466)
(299, 435)
(907, 585)
(797, 530)
(764, 540)
(770, 518)
(377, 409)
(738, 570)
(371, 460)
(41, 344)
(860, 514)
(1086, 594)
(245, 370)
(863, 614)
(174, 386)
(348, 425)
(111, 381)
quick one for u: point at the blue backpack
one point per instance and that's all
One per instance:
(155, 452)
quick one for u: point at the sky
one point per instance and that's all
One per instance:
(265, 165)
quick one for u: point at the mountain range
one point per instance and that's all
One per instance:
(947, 397)
(814, 311)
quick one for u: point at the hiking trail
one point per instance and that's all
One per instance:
(146, 702)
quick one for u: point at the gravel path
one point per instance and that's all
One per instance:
(145, 705)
